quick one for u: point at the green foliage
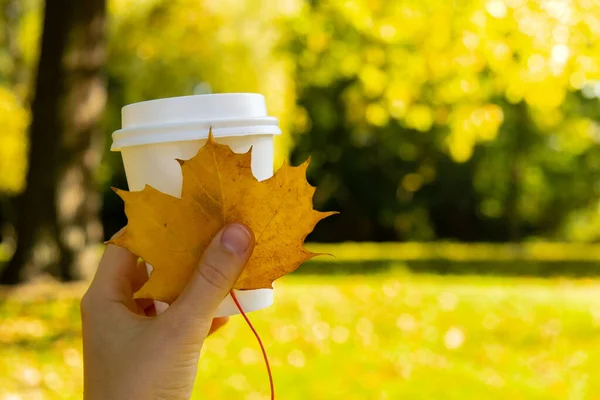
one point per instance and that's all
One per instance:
(470, 120)
(452, 76)
(399, 94)
(383, 336)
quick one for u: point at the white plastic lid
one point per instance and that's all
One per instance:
(190, 117)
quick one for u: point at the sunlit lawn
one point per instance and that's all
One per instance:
(385, 336)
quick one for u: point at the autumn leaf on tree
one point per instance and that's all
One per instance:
(218, 188)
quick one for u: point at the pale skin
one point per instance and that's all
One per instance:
(130, 353)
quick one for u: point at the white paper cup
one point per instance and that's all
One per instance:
(155, 133)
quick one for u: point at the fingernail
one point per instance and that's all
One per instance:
(236, 238)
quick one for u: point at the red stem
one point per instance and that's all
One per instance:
(262, 347)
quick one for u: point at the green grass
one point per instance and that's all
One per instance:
(389, 335)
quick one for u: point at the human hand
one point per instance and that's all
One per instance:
(130, 354)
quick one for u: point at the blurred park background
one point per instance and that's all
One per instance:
(458, 139)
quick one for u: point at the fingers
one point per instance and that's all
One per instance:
(116, 272)
(220, 266)
(118, 276)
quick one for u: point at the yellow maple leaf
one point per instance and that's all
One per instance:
(218, 188)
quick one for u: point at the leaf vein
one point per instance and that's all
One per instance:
(207, 195)
(220, 185)
(274, 214)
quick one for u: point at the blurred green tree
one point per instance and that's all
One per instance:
(470, 120)
(441, 119)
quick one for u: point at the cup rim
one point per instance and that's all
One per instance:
(191, 96)
(182, 118)
(194, 130)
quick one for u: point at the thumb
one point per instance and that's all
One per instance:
(220, 266)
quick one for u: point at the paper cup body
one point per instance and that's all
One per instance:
(158, 132)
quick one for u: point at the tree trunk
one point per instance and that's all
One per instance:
(58, 211)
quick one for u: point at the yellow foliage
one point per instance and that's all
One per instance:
(14, 119)
(467, 55)
(376, 115)
(471, 124)
(420, 117)
(461, 146)
(577, 135)
(412, 182)
(374, 81)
